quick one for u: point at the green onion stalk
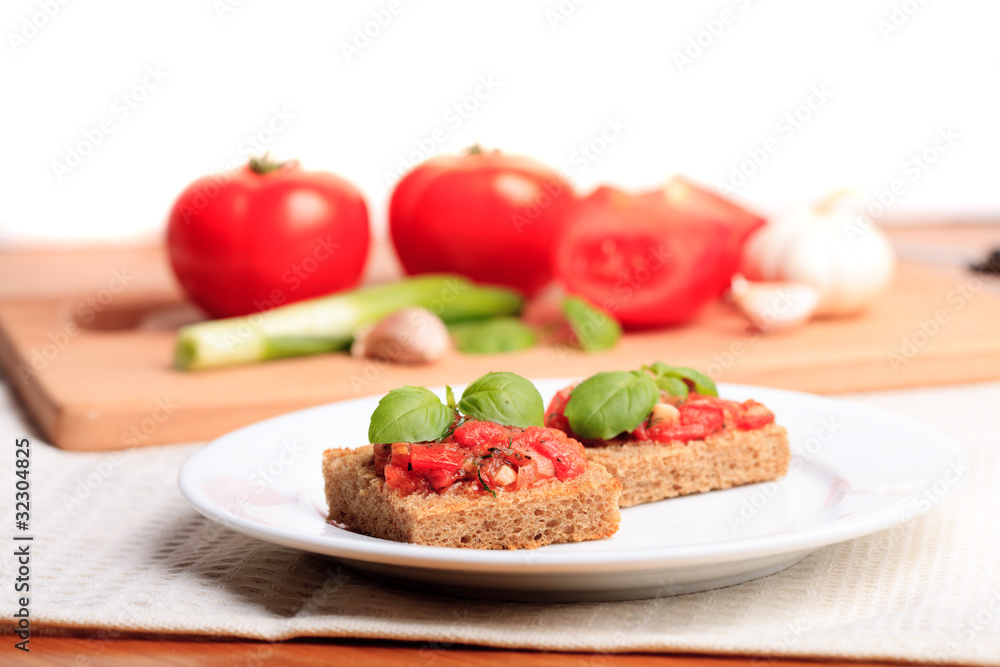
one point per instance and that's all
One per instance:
(328, 324)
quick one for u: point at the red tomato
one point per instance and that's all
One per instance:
(254, 239)
(488, 216)
(646, 259)
(683, 194)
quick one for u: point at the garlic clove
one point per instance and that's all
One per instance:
(774, 306)
(408, 336)
(665, 413)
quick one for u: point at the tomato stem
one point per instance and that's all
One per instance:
(265, 164)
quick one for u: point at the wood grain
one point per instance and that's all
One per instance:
(141, 653)
(94, 367)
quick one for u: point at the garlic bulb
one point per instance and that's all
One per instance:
(834, 247)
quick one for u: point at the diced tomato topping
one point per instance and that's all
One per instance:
(700, 417)
(569, 462)
(441, 479)
(405, 482)
(479, 436)
(435, 457)
(554, 417)
(482, 457)
(704, 414)
(754, 415)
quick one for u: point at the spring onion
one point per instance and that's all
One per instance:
(329, 323)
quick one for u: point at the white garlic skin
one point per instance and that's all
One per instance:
(840, 251)
(409, 336)
(774, 306)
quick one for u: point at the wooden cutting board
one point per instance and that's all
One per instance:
(89, 351)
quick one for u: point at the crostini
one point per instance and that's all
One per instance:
(478, 482)
(664, 432)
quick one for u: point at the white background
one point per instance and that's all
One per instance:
(229, 69)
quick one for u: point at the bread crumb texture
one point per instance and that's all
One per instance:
(651, 471)
(584, 508)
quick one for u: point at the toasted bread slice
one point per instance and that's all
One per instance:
(652, 471)
(584, 508)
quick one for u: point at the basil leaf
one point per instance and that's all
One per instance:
(409, 414)
(673, 386)
(703, 384)
(606, 404)
(450, 396)
(496, 334)
(593, 328)
(504, 398)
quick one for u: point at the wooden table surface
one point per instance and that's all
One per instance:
(142, 652)
(103, 648)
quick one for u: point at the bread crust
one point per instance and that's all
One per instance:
(584, 508)
(651, 471)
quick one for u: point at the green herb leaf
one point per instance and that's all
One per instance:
(673, 386)
(497, 334)
(450, 396)
(594, 329)
(504, 398)
(409, 414)
(701, 382)
(479, 473)
(606, 404)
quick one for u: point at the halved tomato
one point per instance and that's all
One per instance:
(650, 260)
(681, 193)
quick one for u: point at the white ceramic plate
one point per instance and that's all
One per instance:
(855, 470)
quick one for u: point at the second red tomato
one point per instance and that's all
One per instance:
(486, 215)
